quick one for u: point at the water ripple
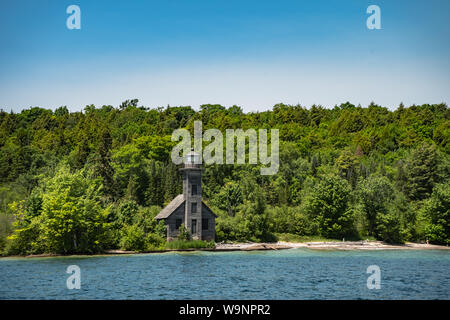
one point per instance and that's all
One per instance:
(288, 274)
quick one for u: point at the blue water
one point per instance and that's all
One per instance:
(284, 274)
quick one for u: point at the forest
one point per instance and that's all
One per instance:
(93, 180)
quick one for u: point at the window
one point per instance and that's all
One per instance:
(205, 224)
(194, 226)
(177, 224)
(194, 190)
(194, 207)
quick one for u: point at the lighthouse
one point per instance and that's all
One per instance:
(188, 208)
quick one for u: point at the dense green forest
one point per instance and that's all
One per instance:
(84, 182)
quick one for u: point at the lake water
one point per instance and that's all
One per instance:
(284, 274)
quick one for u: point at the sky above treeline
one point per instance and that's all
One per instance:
(251, 53)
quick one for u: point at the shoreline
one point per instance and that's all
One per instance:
(363, 245)
(263, 246)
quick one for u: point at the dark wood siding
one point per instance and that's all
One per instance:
(172, 231)
(209, 234)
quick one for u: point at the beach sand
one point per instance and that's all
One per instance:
(344, 245)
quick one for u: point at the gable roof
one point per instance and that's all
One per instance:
(174, 205)
(171, 207)
(215, 215)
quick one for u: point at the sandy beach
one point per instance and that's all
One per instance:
(345, 245)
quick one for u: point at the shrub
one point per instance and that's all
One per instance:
(133, 238)
(154, 241)
(184, 234)
(437, 213)
(388, 228)
(328, 204)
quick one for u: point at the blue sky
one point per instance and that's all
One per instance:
(249, 53)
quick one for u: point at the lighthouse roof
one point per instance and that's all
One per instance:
(171, 207)
(175, 204)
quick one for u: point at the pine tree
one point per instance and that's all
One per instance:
(103, 166)
(314, 165)
(132, 189)
(401, 178)
(421, 170)
(171, 182)
(81, 154)
(156, 187)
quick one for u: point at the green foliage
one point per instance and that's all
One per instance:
(189, 244)
(291, 220)
(374, 195)
(84, 182)
(133, 238)
(346, 164)
(388, 228)
(401, 208)
(154, 241)
(183, 234)
(229, 198)
(26, 238)
(251, 222)
(70, 218)
(127, 210)
(327, 203)
(138, 230)
(74, 220)
(421, 171)
(290, 237)
(144, 218)
(437, 213)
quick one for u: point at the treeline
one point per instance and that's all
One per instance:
(93, 180)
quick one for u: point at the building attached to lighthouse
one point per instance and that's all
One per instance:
(188, 208)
